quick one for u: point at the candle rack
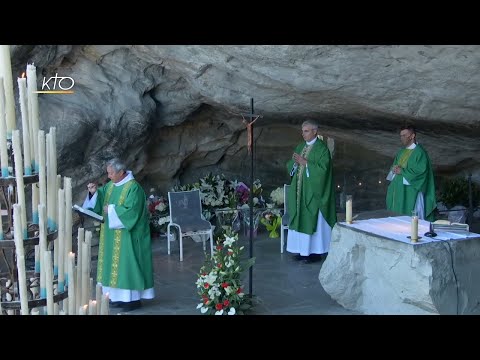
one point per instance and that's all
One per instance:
(9, 278)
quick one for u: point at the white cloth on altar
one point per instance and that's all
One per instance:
(398, 228)
(317, 243)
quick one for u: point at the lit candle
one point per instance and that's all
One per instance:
(49, 282)
(6, 73)
(3, 132)
(61, 241)
(92, 307)
(71, 283)
(348, 213)
(83, 310)
(414, 227)
(19, 177)
(33, 110)
(22, 89)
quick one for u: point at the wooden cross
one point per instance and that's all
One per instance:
(249, 125)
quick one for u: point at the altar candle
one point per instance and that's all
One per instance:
(49, 282)
(33, 110)
(348, 209)
(61, 240)
(414, 227)
(3, 132)
(19, 177)
(22, 89)
(71, 283)
(6, 73)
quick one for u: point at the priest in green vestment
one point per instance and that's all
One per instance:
(412, 184)
(311, 197)
(125, 267)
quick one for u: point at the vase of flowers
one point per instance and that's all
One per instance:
(272, 222)
(219, 281)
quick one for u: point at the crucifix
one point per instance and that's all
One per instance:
(252, 117)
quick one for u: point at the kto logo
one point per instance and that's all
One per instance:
(57, 85)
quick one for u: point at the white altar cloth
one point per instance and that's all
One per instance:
(399, 227)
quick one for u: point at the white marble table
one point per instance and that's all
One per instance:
(372, 267)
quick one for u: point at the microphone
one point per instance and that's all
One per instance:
(294, 169)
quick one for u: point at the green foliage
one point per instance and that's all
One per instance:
(455, 192)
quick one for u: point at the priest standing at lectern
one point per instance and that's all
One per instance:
(125, 267)
(311, 197)
(412, 184)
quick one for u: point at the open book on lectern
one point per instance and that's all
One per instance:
(88, 213)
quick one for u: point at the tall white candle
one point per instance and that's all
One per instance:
(22, 89)
(6, 73)
(50, 183)
(348, 209)
(71, 283)
(42, 241)
(53, 169)
(105, 306)
(3, 132)
(37, 259)
(414, 227)
(61, 240)
(80, 240)
(2, 235)
(85, 274)
(92, 307)
(33, 109)
(49, 282)
(42, 179)
(19, 250)
(19, 178)
(98, 297)
(67, 185)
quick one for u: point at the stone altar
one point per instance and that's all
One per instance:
(372, 267)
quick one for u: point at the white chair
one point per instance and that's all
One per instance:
(186, 215)
(285, 218)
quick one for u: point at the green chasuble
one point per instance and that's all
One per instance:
(125, 255)
(309, 194)
(417, 170)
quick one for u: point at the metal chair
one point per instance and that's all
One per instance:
(285, 218)
(186, 215)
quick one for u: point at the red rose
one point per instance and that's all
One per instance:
(224, 285)
(206, 285)
(226, 302)
(219, 306)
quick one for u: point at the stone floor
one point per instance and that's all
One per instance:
(281, 285)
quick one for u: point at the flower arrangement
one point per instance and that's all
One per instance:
(277, 196)
(219, 281)
(159, 212)
(272, 221)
